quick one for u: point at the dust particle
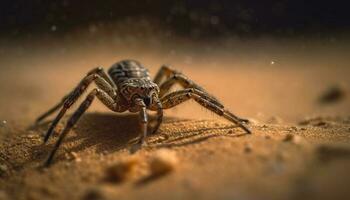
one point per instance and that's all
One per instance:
(3, 123)
(3, 126)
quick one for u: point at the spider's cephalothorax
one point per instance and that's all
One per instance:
(134, 84)
(128, 86)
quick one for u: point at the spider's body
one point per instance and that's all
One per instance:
(133, 81)
(128, 86)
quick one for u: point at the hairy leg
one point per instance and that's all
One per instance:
(181, 96)
(163, 73)
(102, 96)
(100, 71)
(81, 86)
(181, 79)
(172, 77)
(143, 123)
(76, 93)
(159, 110)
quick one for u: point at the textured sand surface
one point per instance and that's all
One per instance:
(274, 83)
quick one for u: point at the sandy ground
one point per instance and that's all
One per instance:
(299, 148)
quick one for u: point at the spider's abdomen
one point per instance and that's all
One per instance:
(127, 69)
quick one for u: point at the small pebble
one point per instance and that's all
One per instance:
(247, 148)
(164, 161)
(275, 120)
(333, 94)
(75, 157)
(32, 136)
(288, 137)
(3, 169)
(253, 121)
(292, 138)
(321, 123)
(94, 194)
(123, 170)
(264, 126)
(292, 129)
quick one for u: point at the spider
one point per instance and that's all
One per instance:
(128, 86)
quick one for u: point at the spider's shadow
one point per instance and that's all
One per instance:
(108, 133)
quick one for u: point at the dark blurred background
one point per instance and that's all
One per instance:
(190, 18)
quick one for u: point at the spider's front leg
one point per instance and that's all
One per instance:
(143, 123)
(72, 96)
(181, 96)
(159, 108)
(70, 99)
(103, 97)
(143, 120)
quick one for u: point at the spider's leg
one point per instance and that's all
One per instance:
(164, 72)
(143, 119)
(102, 96)
(174, 77)
(82, 108)
(159, 110)
(143, 123)
(98, 70)
(77, 92)
(181, 79)
(181, 96)
(52, 110)
(185, 82)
